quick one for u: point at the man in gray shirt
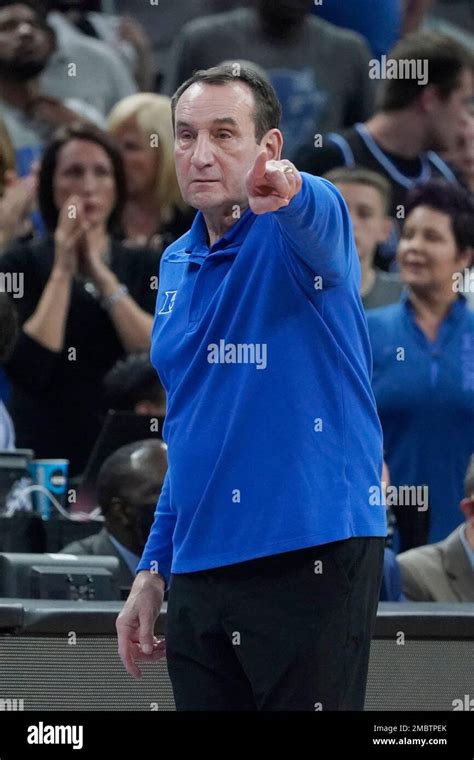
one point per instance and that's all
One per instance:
(320, 71)
(85, 68)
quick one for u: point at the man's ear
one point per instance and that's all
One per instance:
(428, 99)
(118, 512)
(272, 141)
(467, 507)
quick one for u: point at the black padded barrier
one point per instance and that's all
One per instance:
(63, 656)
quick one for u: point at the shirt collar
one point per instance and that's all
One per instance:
(130, 559)
(198, 243)
(467, 547)
(457, 309)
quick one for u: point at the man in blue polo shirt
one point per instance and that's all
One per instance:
(264, 530)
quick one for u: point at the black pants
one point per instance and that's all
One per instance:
(287, 632)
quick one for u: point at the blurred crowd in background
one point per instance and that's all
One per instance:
(86, 139)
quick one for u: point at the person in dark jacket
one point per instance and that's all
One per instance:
(128, 487)
(87, 299)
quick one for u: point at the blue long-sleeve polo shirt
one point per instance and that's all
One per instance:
(261, 344)
(425, 398)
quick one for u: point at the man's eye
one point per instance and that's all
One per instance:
(185, 136)
(223, 135)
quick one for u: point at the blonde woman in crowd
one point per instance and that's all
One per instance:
(154, 213)
(17, 194)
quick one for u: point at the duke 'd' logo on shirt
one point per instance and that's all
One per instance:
(169, 297)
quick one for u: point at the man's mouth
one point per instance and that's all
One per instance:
(26, 49)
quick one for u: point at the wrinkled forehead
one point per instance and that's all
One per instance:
(203, 104)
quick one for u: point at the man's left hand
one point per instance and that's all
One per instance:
(271, 184)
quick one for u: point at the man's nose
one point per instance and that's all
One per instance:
(202, 153)
(25, 29)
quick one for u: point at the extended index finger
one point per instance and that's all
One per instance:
(260, 165)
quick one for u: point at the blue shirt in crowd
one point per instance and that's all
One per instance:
(261, 343)
(425, 399)
(379, 21)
